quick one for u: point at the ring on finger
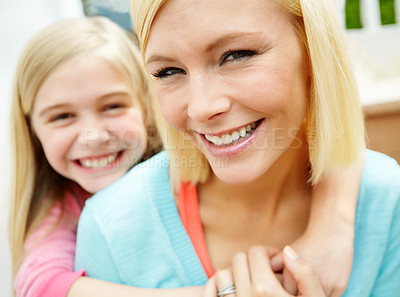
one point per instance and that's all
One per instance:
(229, 289)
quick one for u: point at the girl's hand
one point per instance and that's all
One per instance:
(253, 276)
(328, 241)
(334, 253)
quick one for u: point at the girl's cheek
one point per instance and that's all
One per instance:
(133, 138)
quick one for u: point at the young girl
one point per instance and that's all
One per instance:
(79, 120)
(79, 117)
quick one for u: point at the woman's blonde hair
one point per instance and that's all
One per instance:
(36, 186)
(335, 129)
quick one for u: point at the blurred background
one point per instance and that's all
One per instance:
(372, 31)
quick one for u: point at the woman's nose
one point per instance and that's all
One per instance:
(207, 99)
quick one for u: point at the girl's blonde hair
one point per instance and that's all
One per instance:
(335, 129)
(36, 186)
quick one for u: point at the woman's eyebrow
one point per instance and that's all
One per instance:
(220, 41)
(228, 38)
(158, 58)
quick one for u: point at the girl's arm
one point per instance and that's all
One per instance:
(47, 269)
(90, 287)
(328, 241)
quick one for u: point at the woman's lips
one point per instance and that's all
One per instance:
(234, 143)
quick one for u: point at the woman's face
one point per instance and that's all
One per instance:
(233, 75)
(89, 122)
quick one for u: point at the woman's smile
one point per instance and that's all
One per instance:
(244, 70)
(232, 143)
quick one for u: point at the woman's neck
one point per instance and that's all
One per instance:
(272, 210)
(288, 175)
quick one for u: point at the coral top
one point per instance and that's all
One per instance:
(188, 207)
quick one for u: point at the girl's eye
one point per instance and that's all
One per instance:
(61, 117)
(113, 106)
(166, 72)
(237, 55)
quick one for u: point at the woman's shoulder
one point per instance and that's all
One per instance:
(378, 207)
(381, 173)
(376, 245)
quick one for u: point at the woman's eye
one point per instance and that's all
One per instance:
(237, 55)
(61, 117)
(166, 72)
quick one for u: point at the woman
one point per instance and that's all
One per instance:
(264, 92)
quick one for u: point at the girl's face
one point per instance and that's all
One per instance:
(89, 122)
(233, 75)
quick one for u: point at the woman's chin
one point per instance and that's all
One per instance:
(236, 176)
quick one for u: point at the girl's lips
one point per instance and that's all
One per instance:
(236, 148)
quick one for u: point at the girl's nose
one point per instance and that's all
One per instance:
(93, 136)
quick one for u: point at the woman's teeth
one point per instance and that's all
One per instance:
(98, 162)
(233, 137)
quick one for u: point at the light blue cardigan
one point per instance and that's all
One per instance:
(131, 232)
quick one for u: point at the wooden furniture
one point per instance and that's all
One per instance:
(383, 128)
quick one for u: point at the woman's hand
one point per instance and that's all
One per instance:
(253, 276)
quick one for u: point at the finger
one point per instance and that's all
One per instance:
(288, 282)
(279, 277)
(263, 278)
(273, 251)
(304, 274)
(277, 262)
(224, 281)
(210, 289)
(241, 275)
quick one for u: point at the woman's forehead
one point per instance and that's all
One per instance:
(204, 22)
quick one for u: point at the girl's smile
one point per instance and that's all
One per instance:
(89, 122)
(100, 162)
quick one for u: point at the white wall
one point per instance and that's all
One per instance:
(375, 53)
(19, 20)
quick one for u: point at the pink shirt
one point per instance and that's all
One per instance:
(48, 268)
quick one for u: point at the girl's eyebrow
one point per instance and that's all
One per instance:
(51, 107)
(100, 98)
(220, 41)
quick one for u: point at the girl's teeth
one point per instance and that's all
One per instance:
(229, 138)
(97, 163)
